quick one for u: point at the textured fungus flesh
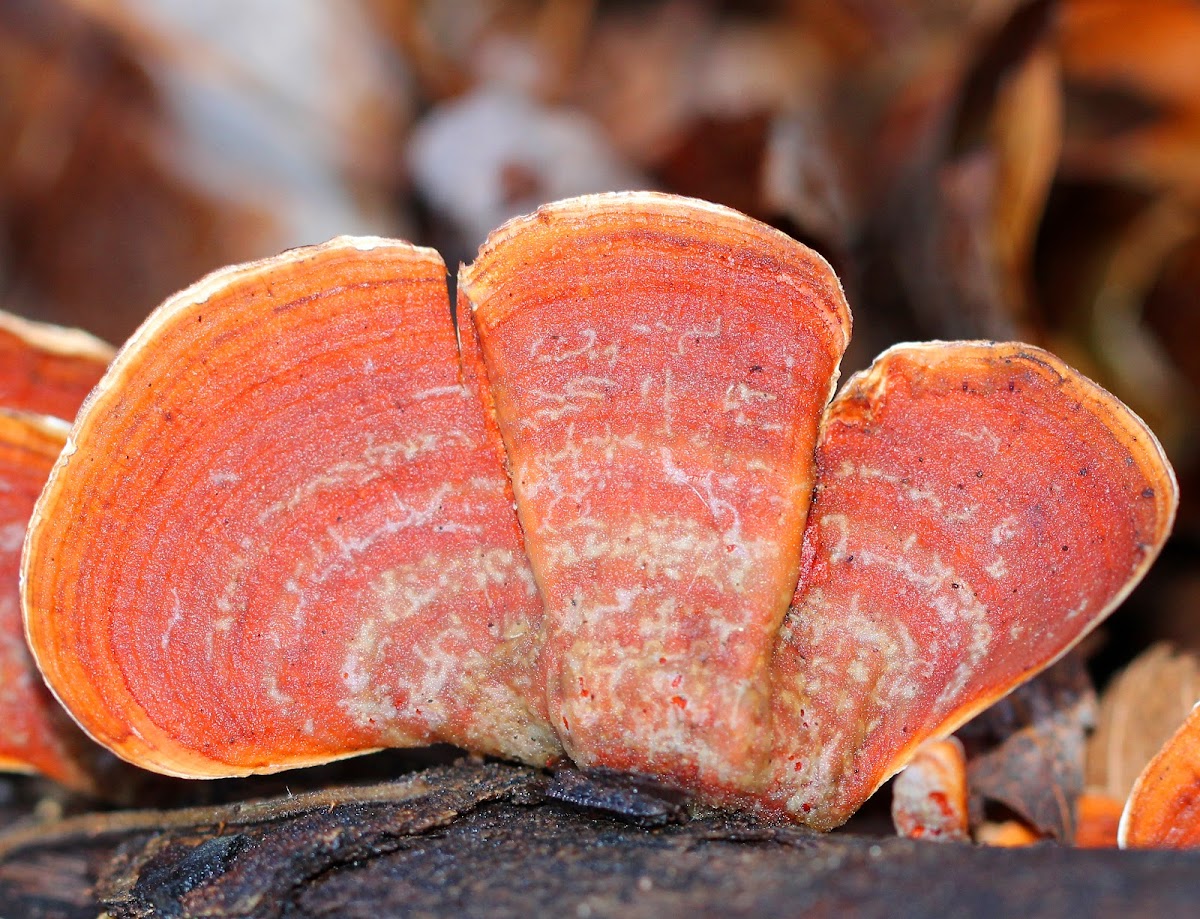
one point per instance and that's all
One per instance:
(981, 507)
(1163, 810)
(36, 733)
(280, 534)
(46, 369)
(659, 367)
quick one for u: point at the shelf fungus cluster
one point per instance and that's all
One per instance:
(609, 515)
(45, 373)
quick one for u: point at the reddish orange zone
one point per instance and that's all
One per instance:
(36, 380)
(980, 508)
(660, 440)
(1163, 810)
(36, 732)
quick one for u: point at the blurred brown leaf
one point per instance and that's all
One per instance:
(145, 144)
(1139, 710)
(1146, 50)
(1027, 751)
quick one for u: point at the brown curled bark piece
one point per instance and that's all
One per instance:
(1163, 810)
(982, 506)
(929, 798)
(658, 367)
(279, 535)
(47, 369)
(37, 735)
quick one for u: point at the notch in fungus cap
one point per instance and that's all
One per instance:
(279, 534)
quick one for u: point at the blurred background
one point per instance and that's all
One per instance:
(995, 168)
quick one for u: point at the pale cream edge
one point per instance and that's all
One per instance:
(19, 766)
(610, 200)
(873, 376)
(49, 425)
(56, 339)
(174, 770)
(201, 291)
(194, 295)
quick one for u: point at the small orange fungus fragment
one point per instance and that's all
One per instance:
(929, 798)
(1163, 810)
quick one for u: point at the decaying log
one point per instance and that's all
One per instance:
(487, 840)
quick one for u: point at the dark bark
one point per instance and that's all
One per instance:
(486, 840)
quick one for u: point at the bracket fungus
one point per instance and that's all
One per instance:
(615, 520)
(45, 373)
(37, 735)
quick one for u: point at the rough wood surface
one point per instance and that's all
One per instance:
(487, 840)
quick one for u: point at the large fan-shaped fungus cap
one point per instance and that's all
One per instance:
(283, 530)
(659, 367)
(37, 735)
(48, 369)
(982, 506)
(278, 534)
